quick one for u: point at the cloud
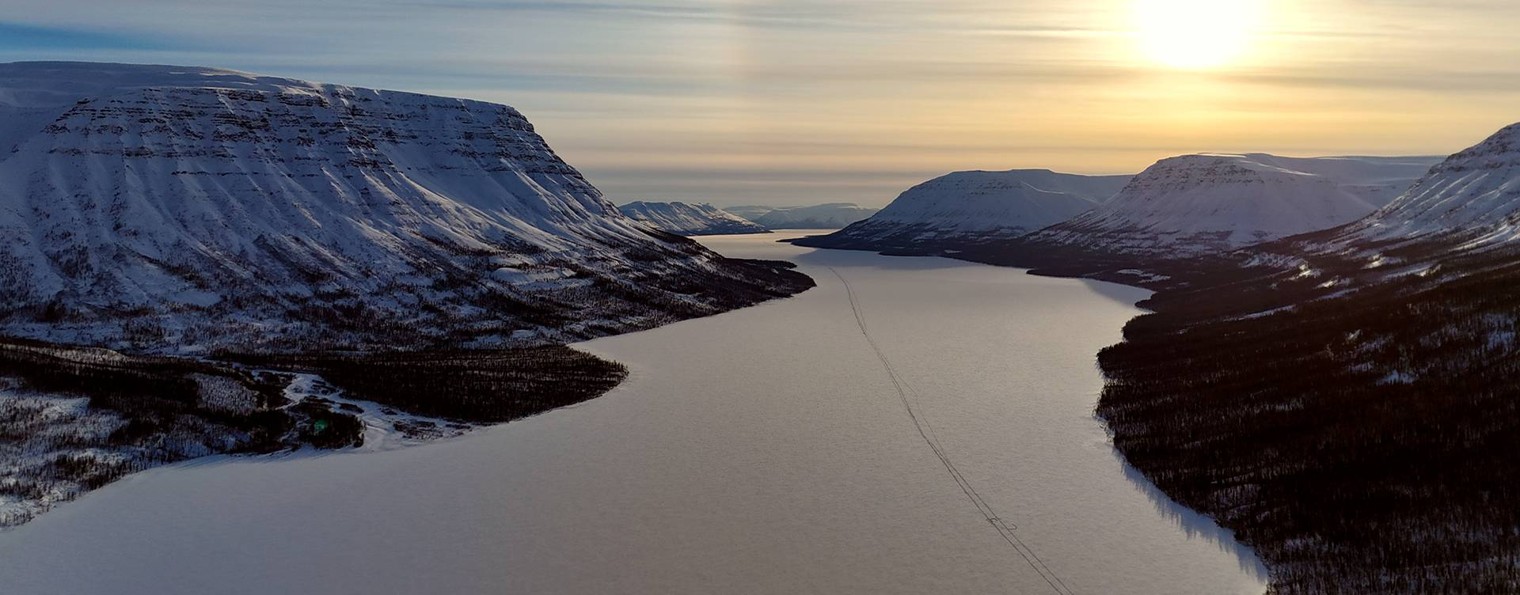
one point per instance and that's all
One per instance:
(21, 37)
(647, 95)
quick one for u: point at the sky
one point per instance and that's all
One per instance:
(809, 101)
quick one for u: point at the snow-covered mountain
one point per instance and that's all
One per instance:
(749, 212)
(690, 219)
(973, 207)
(172, 208)
(825, 216)
(1195, 204)
(1377, 180)
(1472, 196)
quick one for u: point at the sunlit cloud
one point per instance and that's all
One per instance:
(794, 101)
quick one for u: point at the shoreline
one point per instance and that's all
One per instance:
(75, 418)
(1351, 451)
(1193, 522)
(1155, 283)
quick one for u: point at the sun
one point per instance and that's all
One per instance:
(1196, 34)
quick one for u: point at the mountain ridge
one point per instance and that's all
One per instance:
(1473, 195)
(974, 207)
(690, 219)
(175, 208)
(832, 215)
(1202, 203)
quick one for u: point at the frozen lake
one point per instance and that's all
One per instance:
(762, 451)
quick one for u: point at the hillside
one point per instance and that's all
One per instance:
(1201, 204)
(1346, 402)
(1342, 400)
(824, 216)
(974, 207)
(300, 235)
(181, 209)
(1472, 197)
(689, 219)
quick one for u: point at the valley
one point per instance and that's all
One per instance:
(758, 451)
(1333, 397)
(1150, 297)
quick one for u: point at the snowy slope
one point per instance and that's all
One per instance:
(824, 216)
(157, 207)
(1473, 196)
(1378, 180)
(974, 207)
(1198, 203)
(689, 219)
(749, 212)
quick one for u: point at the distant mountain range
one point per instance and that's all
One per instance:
(690, 219)
(977, 207)
(181, 209)
(824, 216)
(1183, 205)
(1199, 204)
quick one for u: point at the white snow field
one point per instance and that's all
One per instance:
(765, 450)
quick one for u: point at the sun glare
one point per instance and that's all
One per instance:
(1196, 34)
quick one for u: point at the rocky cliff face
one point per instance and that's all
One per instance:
(168, 208)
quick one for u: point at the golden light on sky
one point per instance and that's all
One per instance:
(1197, 34)
(809, 101)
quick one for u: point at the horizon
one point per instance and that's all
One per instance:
(791, 103)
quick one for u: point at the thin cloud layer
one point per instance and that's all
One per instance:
(793, 101)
